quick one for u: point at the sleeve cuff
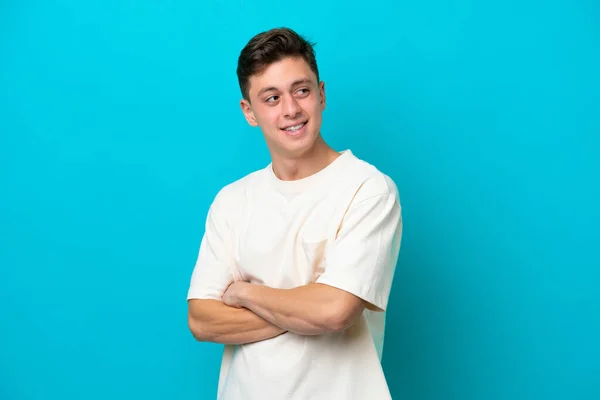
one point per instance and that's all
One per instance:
(199, 295)
(365, 292)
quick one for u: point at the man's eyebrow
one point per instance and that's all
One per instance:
(295, 83)
(267, 89)
(301, 81)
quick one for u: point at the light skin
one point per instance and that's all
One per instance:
(311, 309)
(214, 321)
(286, 94)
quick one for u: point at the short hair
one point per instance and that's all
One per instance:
(269, 47)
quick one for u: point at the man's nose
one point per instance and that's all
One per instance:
(291, 108)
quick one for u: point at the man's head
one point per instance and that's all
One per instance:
(281, 90)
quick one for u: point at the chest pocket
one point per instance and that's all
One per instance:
(318, 235)
(315, 254)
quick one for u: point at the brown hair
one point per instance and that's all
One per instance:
(269, 47)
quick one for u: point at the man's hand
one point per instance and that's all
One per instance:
(233, 295)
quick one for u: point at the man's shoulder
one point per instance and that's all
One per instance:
(236, 191)
(372, 181)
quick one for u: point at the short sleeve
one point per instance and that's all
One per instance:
(213, 271)
(363, 258)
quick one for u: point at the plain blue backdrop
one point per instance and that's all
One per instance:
(119, 122)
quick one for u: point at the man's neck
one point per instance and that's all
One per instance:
(317, 159)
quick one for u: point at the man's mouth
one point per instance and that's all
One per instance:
(294, 128)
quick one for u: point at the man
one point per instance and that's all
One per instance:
(297, 260)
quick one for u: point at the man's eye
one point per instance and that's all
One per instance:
(271, 99)
(303, 91)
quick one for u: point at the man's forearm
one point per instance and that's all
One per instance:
(213, 321)
(306, 310)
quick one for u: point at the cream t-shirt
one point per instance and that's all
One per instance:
(341, 227)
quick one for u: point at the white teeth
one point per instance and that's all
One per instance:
(295, 128)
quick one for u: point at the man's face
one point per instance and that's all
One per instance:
(286, 101)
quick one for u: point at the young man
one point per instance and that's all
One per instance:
(297, 260)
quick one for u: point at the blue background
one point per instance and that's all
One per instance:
(119, 122)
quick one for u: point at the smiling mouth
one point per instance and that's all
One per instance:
(294, 128)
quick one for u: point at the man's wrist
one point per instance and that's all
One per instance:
(245, 295)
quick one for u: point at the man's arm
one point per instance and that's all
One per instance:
(213, 321)
(311, 309)
(209, 320)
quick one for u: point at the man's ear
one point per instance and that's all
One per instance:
(248, 113)
(322, 94)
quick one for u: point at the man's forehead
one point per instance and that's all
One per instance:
(282, 75)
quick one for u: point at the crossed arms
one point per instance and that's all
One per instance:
(251, 313)
(358, 275)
